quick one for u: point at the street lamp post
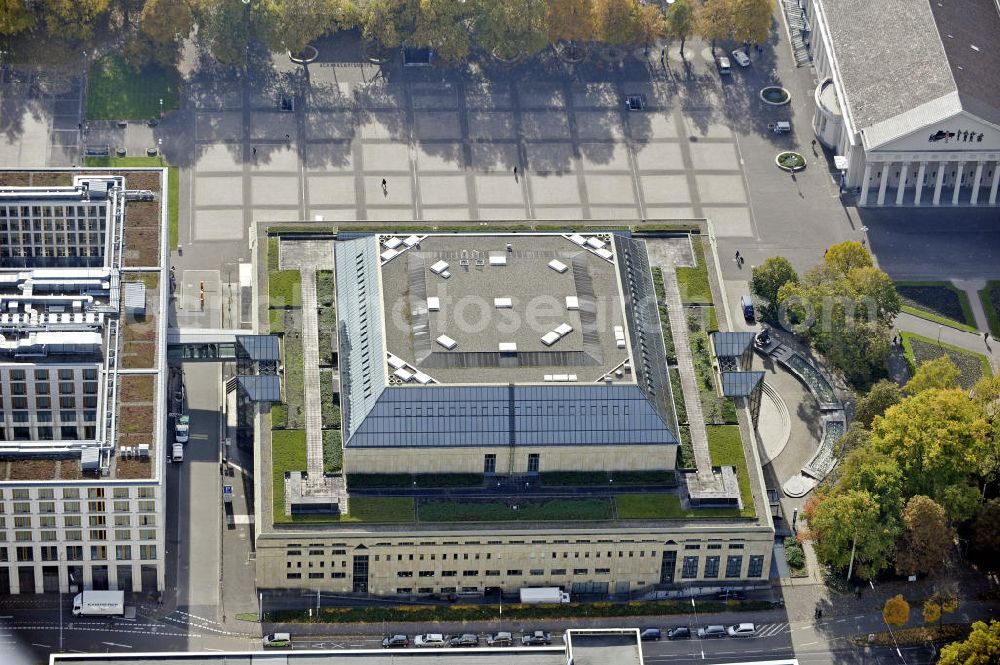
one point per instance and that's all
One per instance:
(161, 107)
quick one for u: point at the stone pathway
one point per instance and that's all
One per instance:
(972, 287)
(310, 361)
(965, 340)
(689, 383)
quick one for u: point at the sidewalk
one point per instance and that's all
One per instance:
(960, 338)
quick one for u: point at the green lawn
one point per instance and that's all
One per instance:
(726, 448)
(527, 510)
(333, 451)
(284, 289)
(279, 416)
(940, 302)
(173, 184)
(276, 320)
(650, 507)
(693, 282)
(425, 480)
(116, 91)
(273, 253)
(288, 453)
(990, 297)
(973, 366)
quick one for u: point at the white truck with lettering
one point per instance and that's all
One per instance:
(99, 603)
(538, 595)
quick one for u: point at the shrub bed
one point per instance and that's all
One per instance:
(513, 510)
(946, 632)
(693, 282)
(440, 613)
(602, 478)
(422, 480)
(973, 366)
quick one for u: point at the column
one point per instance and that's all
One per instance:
(996, 182)
(940, 179)
(882, 184)
(974, 199)
(958, 183)
(901, 189)
(865, 182)
(920, 182)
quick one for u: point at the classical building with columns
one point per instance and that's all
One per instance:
(908, 95)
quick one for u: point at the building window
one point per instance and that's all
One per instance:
(689, 569)
(25, 553)
(338, 576)
(490, 464)
(293, 576)
(756, 567)
(581, 571)
(98, 552)
(514, 573)
(426, 573)
(74, 553)
(147, 552)
(734, 564)
(533, 463)
(536, 572)
(557, 572)
(49, 553)
(404, 573)
(470, 573)
(449, 573)
(492, 573)
(711, 566)
(123, 552)
(602, 571)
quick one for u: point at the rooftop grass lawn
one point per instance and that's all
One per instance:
(288, 453)
(117, 91)
(726, 448)
(649, 507)
(514, 510)
(284, 288)
(693, 282)
(940, 302)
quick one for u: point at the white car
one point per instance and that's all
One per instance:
(741, 630)
(741, 58)
(430, 640)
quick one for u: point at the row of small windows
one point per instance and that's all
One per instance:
(76, 535)
(27, 554)
(44, 507)
(63, 373)
(62, 212)
(42, 493)
(734, 566)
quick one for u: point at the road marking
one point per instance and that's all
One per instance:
(44, 646)
(115, 644)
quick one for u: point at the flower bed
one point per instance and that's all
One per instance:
(937, 301)
(775, 95)
(790, 161)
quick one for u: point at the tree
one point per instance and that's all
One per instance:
(937, 606)
(880, 397)
(845, 256)
(292, 24)
(938, 438)
(985, 393)
(443, 26)
(856, 437)
(752, 20)
(934, 375)
(227, 28)
(873, 293)
(982, 647)
(768, 278)
(389, 22)
(616, 21)
(876, 474)
(570, 20)
(512, 28)
(986, 535)
(650, 25)
(714, 21)
(896, 611)
(851, 522)
(681, 23)
(162, 26)
(73, 19)
(15, 17)
(926, 540)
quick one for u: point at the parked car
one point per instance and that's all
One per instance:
(536, 638)
(395, 642)
(430, 640)
(679, 633)
(464, 640)
(649, 635)
(501, 639)
(741, 58)
(724, 67)
(731, 594)
(741, 630)
(278, 640)
(712, 631)
(746, 304)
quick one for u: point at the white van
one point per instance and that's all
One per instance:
(278, 640)
(178, 453)
(724, 67)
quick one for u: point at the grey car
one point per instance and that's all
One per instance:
(712, 631)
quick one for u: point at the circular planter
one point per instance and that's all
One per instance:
(305, 56)
(570, 52)
(790, 161)
(775, 95)
(505, 60)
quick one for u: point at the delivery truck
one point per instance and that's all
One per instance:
(549, 594)
(99, 603)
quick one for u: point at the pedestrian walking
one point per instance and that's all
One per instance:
(288, 137)
(254, 152)
(986, 337)
(385, 187)
(737, 259)
(515, 173)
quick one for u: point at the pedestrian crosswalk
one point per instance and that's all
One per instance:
(771, 629)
